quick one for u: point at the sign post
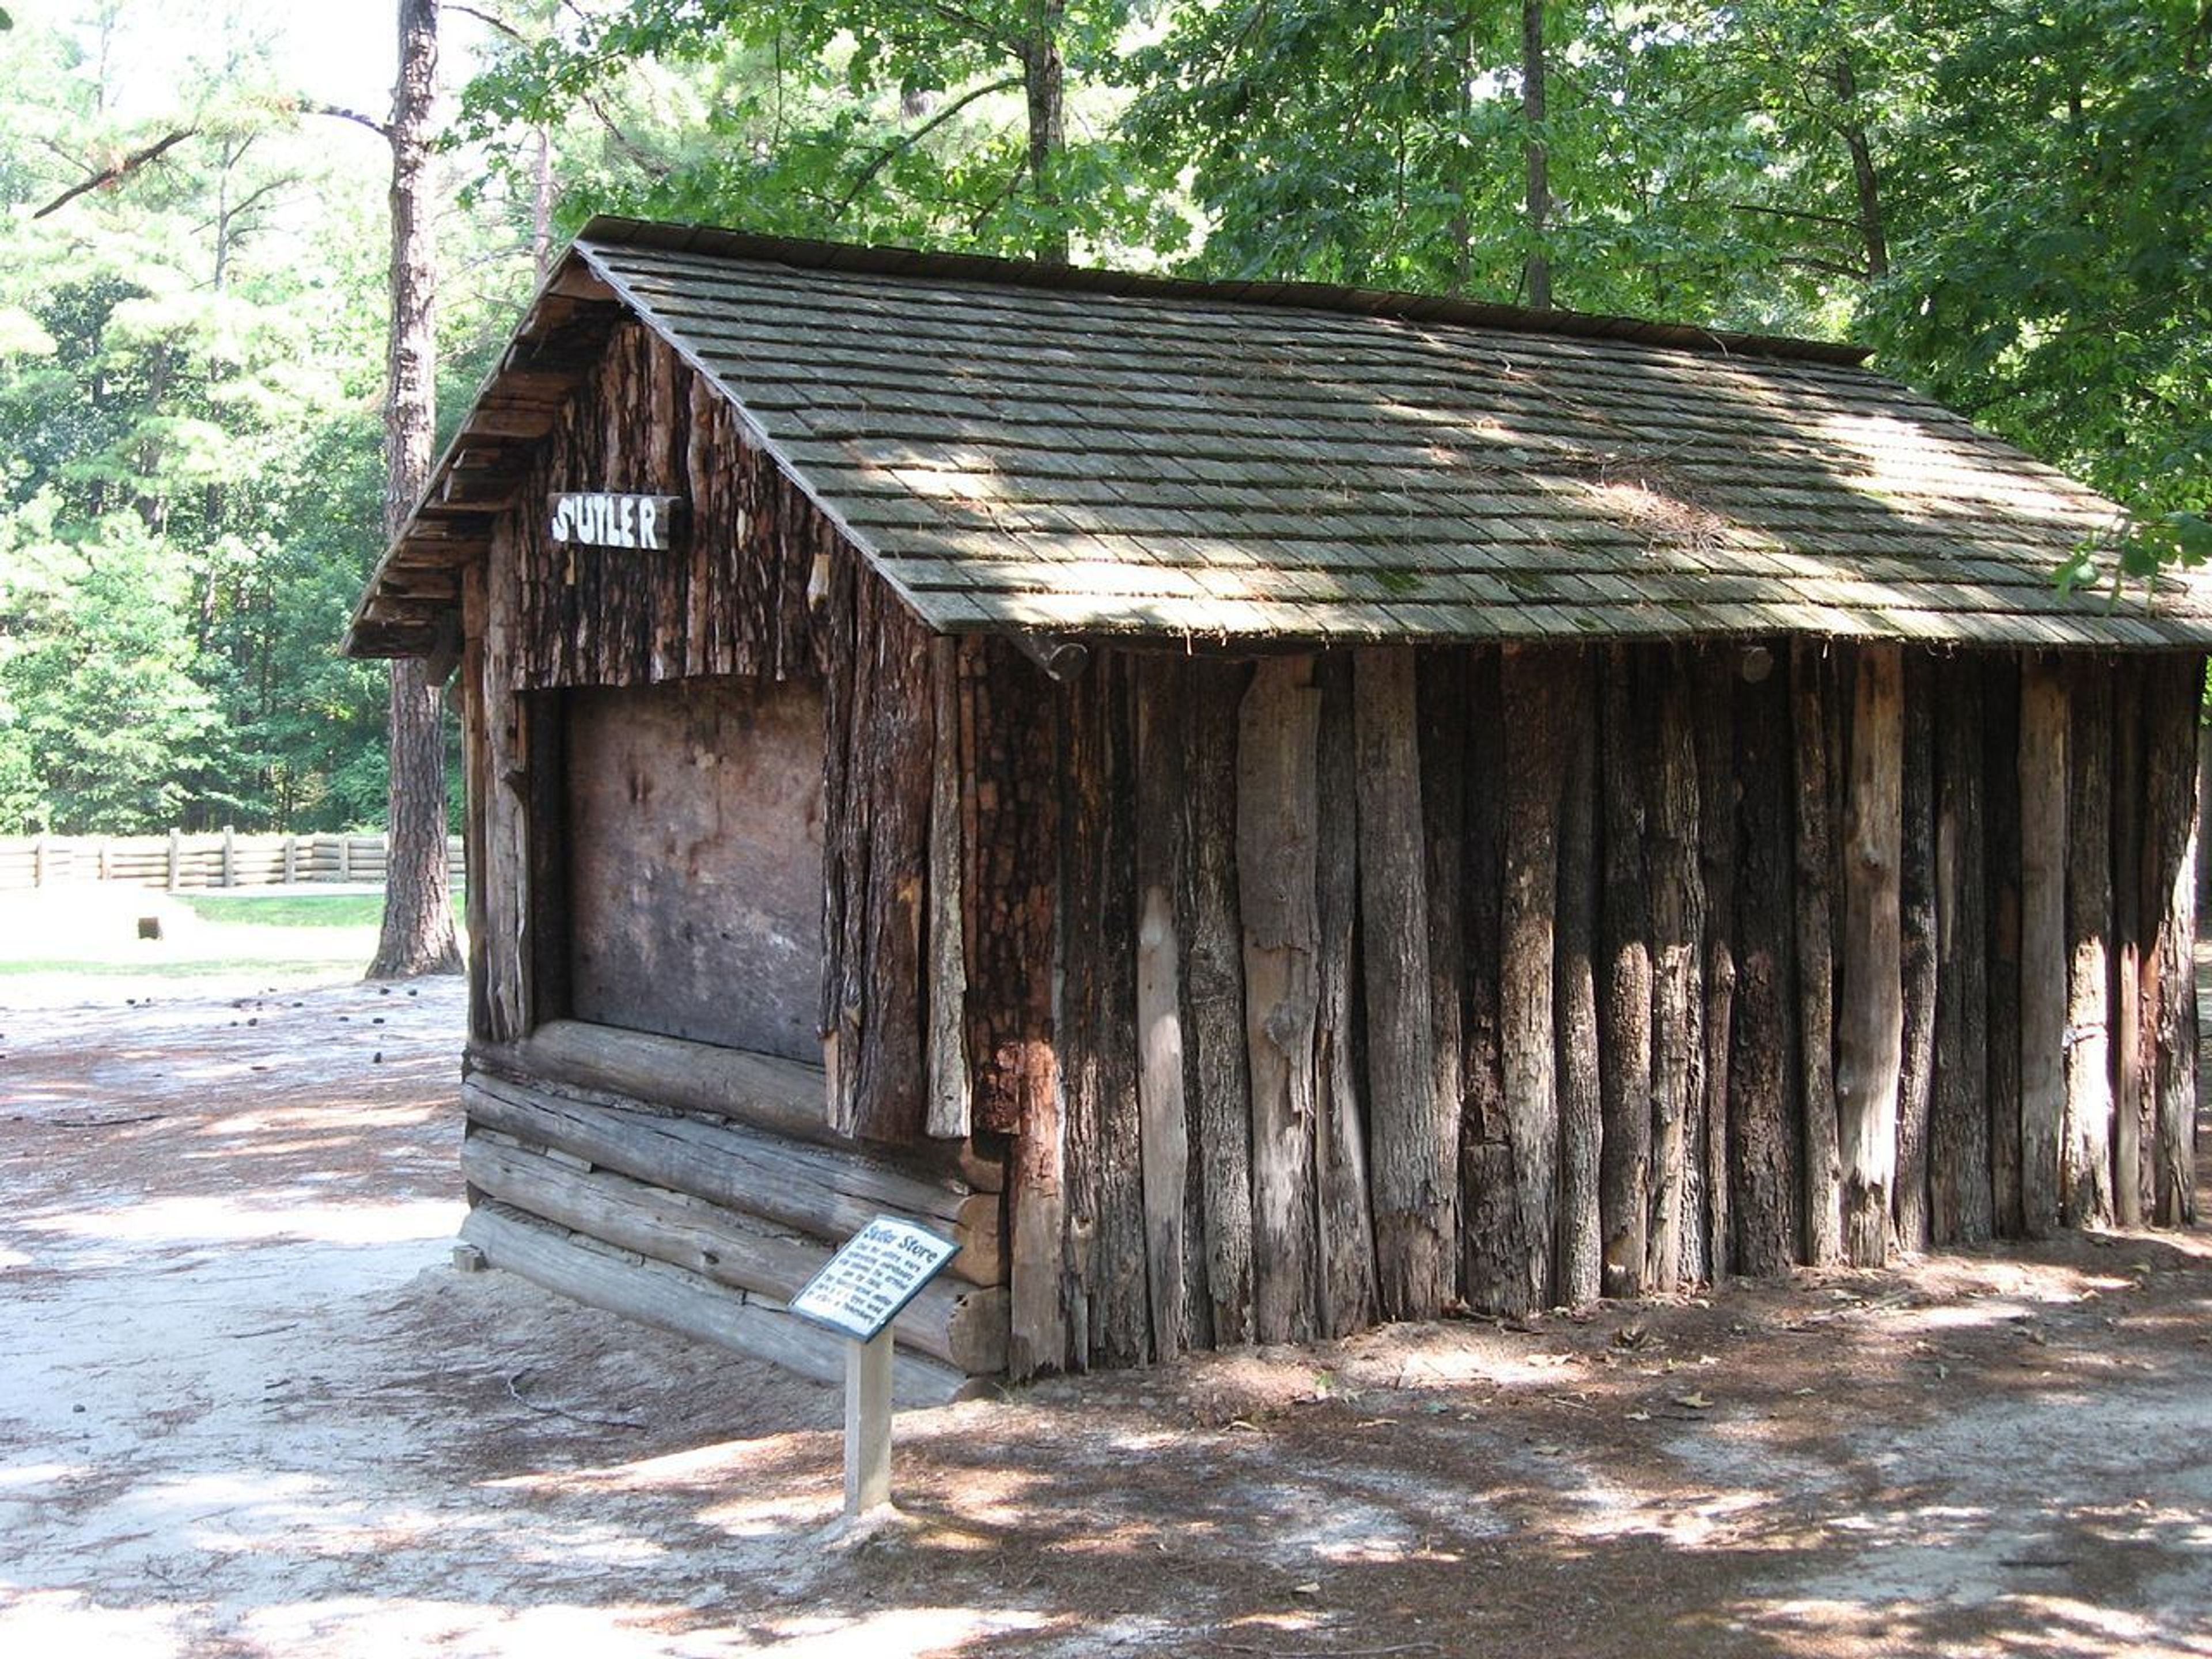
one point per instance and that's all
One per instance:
(858, 1294)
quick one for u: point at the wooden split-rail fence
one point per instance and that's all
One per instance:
(177, 861)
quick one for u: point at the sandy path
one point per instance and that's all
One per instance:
(249, 1408)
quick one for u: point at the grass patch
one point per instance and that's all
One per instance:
(274, 937)
(291, 909)
(274, 969)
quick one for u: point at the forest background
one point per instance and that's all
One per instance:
(2010, 200)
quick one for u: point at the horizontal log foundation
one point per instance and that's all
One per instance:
(624, 1282)
(779, 1097)
(962, 1324)
(811, 1190)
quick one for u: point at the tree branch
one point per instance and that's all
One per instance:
(499, 25)
(905, 142)
(1851, 225)
(1830, 267)
(119, 170)
(338, 113)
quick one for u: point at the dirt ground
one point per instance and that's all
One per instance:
(248, 1407)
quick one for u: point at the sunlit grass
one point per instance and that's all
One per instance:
(292, 908)
(281, 938)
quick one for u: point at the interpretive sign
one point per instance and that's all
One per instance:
(881, 1268)
(603, 521)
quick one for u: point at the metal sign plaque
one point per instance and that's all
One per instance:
(604, 521)
(880, 1269)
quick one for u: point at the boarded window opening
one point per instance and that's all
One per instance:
(695, 862)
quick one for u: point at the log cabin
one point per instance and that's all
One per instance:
(1263, 809)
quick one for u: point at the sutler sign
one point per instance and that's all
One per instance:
(604, 521)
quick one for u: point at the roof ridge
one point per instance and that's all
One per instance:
(872, 259)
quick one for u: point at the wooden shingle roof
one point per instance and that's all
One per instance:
(1086, 453)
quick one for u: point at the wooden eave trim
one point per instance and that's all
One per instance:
(543, 364)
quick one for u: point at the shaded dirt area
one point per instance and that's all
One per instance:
(248, 1407)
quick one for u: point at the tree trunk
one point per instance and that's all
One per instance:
(1870, 1032)
(418, 935)
(1043, 75)
(1873, 236)
(1536, 153)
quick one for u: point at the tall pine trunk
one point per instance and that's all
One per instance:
(418, 935)
(1043, 75)
(1536, 154)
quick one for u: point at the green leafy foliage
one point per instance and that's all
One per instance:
(2013, 205)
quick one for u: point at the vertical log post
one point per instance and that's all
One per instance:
(2043, 965)
(1121, 1333)
(2171, 823)
(1531, 682)
(1917, 944)
(1624, 1014)
(1711, 1252)
(1103, 1289)
(1491, 1247)
(477, 786)
(1870, 1028)
(1214, 1000)
(947, 1104)
(2133, 1094)
(1678, 936)
(1161, 695)
(1959, 1193)
(1765, 1132)
(1822, 1195)
(1412, 1136)
(1574, 994)
(892, 756)
(2000, 701)
(1441, 680)
(1277, 827)
(1008, 803)
(1347, 1221)
(2085, 1189)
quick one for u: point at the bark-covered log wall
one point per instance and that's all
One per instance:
(1305, 991)
(697, 1186)
(1517, 974)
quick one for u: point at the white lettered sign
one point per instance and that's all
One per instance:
(646, 522)
(881, 1268)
